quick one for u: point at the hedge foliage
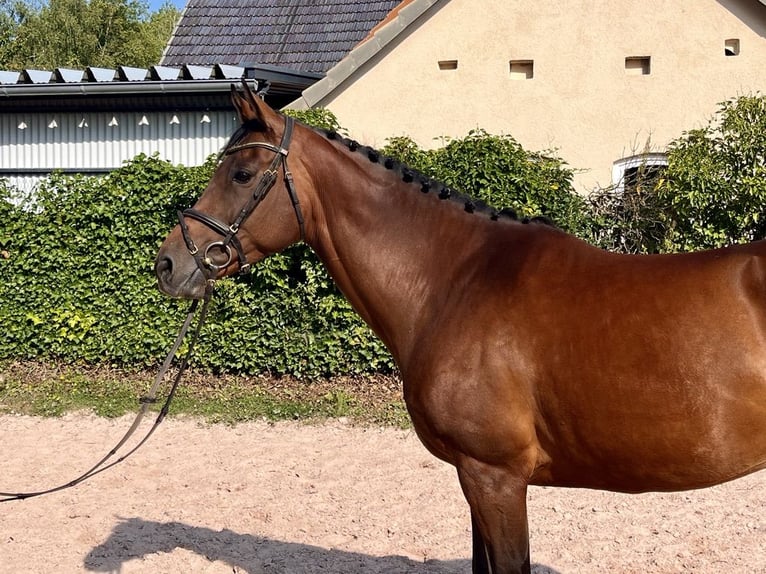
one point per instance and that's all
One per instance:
(497, 170)
(76, 276)
(78, 285)
(77, 266)
(714, 190)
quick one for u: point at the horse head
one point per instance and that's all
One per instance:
(248, 210)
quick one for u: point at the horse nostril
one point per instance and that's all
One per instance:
(164, 267)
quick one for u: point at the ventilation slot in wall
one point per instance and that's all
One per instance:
(638, 66)
(448, 64)
(731, 47)
(522, 69)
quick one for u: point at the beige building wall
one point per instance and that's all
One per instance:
(570, 87)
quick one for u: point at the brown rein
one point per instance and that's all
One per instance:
(145, 401)
(210, 271)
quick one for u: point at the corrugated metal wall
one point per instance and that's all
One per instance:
(34, 144)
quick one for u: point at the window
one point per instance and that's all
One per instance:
(731, 47)
(638, 65)
(633, 172)
(522, 69)
(448, 64)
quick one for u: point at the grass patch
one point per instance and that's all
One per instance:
(53, 390)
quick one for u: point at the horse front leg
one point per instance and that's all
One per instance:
(498, 501)
(480, 560)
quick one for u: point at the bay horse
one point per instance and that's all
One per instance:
(528, 356)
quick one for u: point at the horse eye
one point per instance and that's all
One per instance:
(242, 176)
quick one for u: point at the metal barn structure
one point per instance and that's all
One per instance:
(92, 121)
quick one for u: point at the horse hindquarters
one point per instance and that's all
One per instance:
(498, 501)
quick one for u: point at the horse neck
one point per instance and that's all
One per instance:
(392, 250)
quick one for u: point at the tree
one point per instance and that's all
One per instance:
(12, 14)
(154, 35)
(81, 33)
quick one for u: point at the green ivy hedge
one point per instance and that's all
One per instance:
(78, 285)
(76, 282)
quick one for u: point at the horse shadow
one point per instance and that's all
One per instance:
(135, 538)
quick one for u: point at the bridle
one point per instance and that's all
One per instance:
(209, 268)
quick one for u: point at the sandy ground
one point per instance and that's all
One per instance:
(291, 498)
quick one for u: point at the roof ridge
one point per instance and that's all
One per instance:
(389, 17)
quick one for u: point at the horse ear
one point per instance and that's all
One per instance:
(244, 105)
(250, 107)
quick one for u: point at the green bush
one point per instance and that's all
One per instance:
(318, 117)
(79, 285)
(77, 281)
(712, 194)
(715, 186)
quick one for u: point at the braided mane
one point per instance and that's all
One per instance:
(428, 184)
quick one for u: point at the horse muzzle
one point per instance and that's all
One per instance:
(178, 274)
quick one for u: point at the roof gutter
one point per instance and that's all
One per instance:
(160, 81)
(114, 88)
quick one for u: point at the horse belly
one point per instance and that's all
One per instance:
(649, 429)
(656, 378)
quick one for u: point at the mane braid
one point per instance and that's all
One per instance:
(426, 184)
